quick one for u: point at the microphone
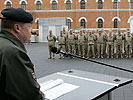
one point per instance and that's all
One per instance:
(57, 51)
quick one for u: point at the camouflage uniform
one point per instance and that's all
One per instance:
(110, 45)
(65, 34)
(76, 43)
(128, 45)
(71, 42)
(91, 41)
(119, 43)
(61, 43)
(51, 43)
(81, 44)
(100, 44)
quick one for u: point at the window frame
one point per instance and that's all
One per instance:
(83, 23)
(68, 5)
(100, 23)
(54, 5)
(82, 4)
(8, 4)
(38, 5)
(116, 23)
(23, 5)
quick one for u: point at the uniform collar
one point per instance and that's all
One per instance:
(12, 38)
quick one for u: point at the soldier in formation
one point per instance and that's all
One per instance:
(51, 43)
(95, 44)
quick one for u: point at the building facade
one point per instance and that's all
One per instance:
(79, 13)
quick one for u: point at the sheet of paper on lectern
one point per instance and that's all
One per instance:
(56, 88)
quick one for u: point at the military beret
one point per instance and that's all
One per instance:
(17, 14)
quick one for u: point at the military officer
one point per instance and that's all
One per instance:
(128, 44)
(61, 43)
(51, 43)
(91, 41)
(110, 44)
(119, 44)
(17, 76)
(81, 44)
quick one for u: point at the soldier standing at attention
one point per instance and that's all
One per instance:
(51, 43)
(100, 44)
(81, 44)
(110, 44)
(128, 44)
(119, 43)
(61, 43)
(65, 34)
(91, 41)
(76, 43)
(71, 42)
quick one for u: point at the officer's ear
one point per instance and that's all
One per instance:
(17, 28)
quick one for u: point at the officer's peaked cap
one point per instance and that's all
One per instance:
(17, 14)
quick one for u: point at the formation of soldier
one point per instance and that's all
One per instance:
(94, 44)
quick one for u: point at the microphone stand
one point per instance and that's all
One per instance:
(107, 65)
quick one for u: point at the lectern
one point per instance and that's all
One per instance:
(92, 86)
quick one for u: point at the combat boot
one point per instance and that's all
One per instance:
(121, 56)
(117, 56)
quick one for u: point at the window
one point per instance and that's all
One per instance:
(38, 5)
(82, 23)
(68, 5)
(82, 4)
(131, 4)
(116, 23)
(8, 5)
(23, 5)
(54, 4)
(100, 23)
(115, 4)
(69, 23)
(100, 4)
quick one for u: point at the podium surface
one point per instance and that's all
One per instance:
(93, 86)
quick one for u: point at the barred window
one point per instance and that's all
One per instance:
(131, 4)
(116, 23)
(69, 23)
(68, 5)
(38, 5)
(54, 5)
(100, 23)
(82, 4)
(115, 4)
(100, 4)
(23, 5)
(8, 5)
(82, 23)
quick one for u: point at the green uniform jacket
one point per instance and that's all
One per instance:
(17, 78)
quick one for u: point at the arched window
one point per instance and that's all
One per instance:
(68, 5)
(8, 5)
(115, 4)
(82, 4)
(69, 23)
(82, 23)
(131, 4)
(54, 5)
(23, 5)
(100, 23)
(38, 5)
(115, 23)
(100, 4)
